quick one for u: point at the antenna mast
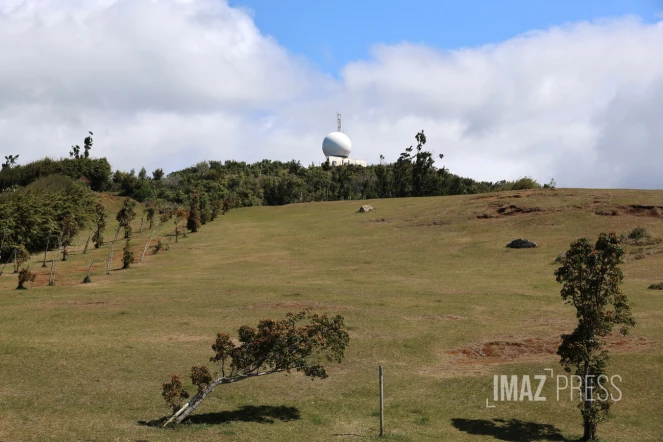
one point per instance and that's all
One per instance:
(338, 122)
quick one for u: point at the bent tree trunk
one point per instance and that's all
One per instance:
(193, 403)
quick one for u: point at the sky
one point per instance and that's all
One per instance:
(566, 90)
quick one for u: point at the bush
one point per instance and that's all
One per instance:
(174, 393)
(638, 233)
(639, 237)
(657, 286)
(24, 276)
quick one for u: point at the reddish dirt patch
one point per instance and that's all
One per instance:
(497, 352)
(632, 209)
(513, 209)
(640, 210)
(607, 213)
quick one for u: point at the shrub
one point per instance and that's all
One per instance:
(657, 286)
(24, 276)
(173, 392)
(639, 237)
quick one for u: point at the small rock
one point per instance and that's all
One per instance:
(365, 208)
(521, 244)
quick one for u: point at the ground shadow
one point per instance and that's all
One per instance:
(513, 430)
(261, 414)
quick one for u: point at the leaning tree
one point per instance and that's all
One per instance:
(591, 280)
(301, 342)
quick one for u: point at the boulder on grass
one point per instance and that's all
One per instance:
(521, 244)
(365, 208)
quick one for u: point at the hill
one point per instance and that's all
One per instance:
(426, 285)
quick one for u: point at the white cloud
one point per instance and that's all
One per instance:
(168, 83)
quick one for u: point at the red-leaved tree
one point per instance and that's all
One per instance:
(301, 342)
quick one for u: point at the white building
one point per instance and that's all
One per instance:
(337, 147)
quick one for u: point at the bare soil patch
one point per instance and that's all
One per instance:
(498, 352)
(510, 210)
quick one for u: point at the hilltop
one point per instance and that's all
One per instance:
(426, 285)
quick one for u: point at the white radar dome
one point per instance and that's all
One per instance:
(336, 144)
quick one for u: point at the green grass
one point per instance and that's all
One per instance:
(415, 278)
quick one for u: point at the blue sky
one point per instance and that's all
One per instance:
(333, 33)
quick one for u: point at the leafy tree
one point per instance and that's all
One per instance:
(22, 255)
(205, 212)
(150, 212)
(127, 255)
(216, 208)
(272, 347)
(68, 228)
(227, 205)
(10, 161)
(591, 280)
(25, 276)
(87, 145)
(157, 175)
(100, 217)
(193, 222)
(126, 215)
(403, 173)
(142, 174)
(75, 152)
(173, 392)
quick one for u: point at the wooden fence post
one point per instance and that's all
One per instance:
(381, 402)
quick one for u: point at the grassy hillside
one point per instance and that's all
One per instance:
(426, 286)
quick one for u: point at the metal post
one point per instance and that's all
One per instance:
(381, 403)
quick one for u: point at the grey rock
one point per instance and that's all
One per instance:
(521, 244)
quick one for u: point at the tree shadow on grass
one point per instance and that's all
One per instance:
(262, 414)
(513, 430)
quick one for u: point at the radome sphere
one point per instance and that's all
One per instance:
(336, 144)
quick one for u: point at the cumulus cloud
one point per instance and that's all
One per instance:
(167, 83)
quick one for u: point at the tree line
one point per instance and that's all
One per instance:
(267, 182)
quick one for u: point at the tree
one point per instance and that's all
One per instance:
(68, 229)
(21, 256)
(157, 175)
(422, 177)
(75, 152)
(126, 215)
(193, 222)
(227, 205)
(216, 208)
(402, 171)
(127, 255)
(151, 211)
(100, 216)
(272, 347)
(87, 145)
(591, 280)
(24, 276)
(10, 161)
